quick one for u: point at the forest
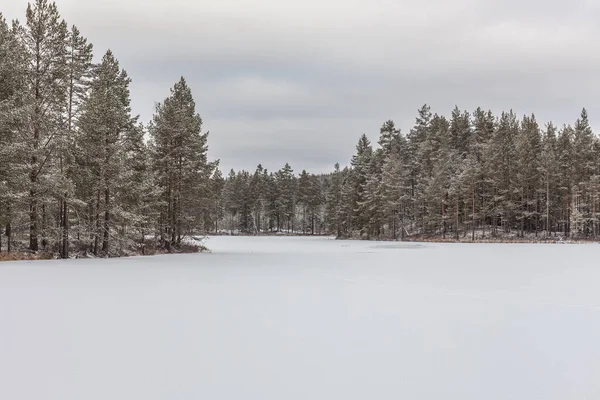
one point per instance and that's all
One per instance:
(472, 176)
(81, 175)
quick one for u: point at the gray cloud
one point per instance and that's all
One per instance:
(279, 81)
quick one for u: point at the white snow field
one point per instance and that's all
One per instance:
(306, 318)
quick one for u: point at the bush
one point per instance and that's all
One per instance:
(21, 256)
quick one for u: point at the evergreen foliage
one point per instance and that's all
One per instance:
(80, 174)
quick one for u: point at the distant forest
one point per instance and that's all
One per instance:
(470, 176)
(79, 174)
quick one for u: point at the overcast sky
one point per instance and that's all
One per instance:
(280, 81)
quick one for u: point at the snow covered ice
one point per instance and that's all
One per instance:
(282, 318)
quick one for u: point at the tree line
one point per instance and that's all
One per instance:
(78, 171)
(80, 174)
(470, 175)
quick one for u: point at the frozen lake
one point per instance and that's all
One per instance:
(306, 318)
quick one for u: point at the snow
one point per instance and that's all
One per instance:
(273, 318)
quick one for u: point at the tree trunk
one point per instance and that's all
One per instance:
(444, 217)
(457, 237)
(594, 215)
(161, 227)
(547, 206)
(33, 220)
(97, 230)
(106, 219)
(304, 220)
(394, 225)
(523, 211)
(473, 217)
(8, 237)
(65, 230)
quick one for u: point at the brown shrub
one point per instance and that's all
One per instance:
(20, 256)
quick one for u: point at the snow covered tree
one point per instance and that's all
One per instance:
(304, 194)
(136, 196)
(500, 169)
(287, 190)
(583, 170)
(12, 88)
(416, 137)
(359, 174)
(528, 145)
(565, 163)
(217, 184)
(44, 38)
(105, 118)
(231, 199)
(181, 165)
(78, 74)
(396, 186)
(333, 202)
(257, 189)
(549, 175)
(372, 204)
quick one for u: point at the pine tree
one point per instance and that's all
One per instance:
(348, 198)
(549, 174)
(460, 132)
(583, 169)
(483, 130)
(12, 88)
(217, 186)
(105, 118)
(272, 204)
(231, 199)
(136, 195)
(565, 165)
(388, 135)
(372, 205)
(333, 202)
(500, 157)
(180, 161)
(316, 203)
(416, 138)
(470, 179)
(287, 189)
(528, 147)
(359, 174)
(44, 38)
(304, 194)
(396, 185)
(79, 69)
(434, 154)
(257, 189)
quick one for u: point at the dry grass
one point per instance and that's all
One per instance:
(82, 250)
(20, 256)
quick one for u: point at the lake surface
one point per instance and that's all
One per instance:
(274, 318)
